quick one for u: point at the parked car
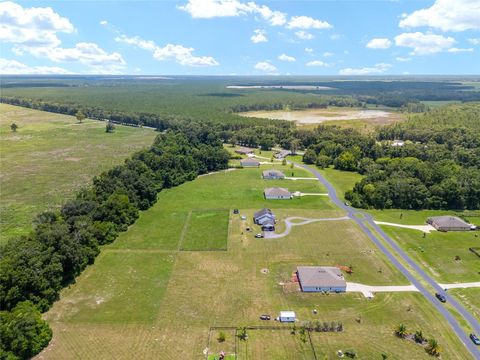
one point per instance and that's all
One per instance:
(441, 297)
(347, 203)
(265, 317)
(475, 339)
(235, 211)
(259, 236)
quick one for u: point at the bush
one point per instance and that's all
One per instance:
(221, 337)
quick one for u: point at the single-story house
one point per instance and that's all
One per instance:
(287, 316)
(321, 278)
(273, 174)
(449, 223)
(264, 216)
(277, 193)
(244, 150)
(249, 162)
(398, 143)
(282, 154)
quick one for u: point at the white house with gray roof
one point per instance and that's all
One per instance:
(449, 223)
(277, 193)
(321, 278)
(273, 174)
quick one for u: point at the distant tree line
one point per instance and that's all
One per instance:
(34, 268)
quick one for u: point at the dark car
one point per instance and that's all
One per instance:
(235, 211)
(265, 317)
(441, 297)
(259, 236)
(475, 339)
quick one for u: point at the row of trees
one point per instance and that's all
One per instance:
(34, 268)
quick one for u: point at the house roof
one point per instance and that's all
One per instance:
(249, 161)
(244, 150)
(283, 153)
(263, 212)
(273, 172)
(277, 191)
(290, 314)
(448, 221)
(320, 276)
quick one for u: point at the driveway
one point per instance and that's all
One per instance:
(304, 221)
(368, 291)
(425, 228)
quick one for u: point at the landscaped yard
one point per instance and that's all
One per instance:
(145, 299)
(50, 157)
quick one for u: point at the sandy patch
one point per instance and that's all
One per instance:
(317, 116)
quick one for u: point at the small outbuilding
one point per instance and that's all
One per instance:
(277, 193)
(263, 217)
(287, 316)
(449, 223)
(268, 226)
(273, 175)
(249, 162)
(244, 150)
(321, 278)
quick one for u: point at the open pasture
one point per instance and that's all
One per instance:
(146, 299)
(206, 230)
(50, 157)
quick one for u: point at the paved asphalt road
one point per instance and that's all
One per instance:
(365, 219)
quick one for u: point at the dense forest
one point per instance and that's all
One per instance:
(33, 269)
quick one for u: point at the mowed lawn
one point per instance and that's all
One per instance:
(50, 157)
(206, 230)
(107, 313)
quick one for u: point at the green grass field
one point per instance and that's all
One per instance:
(341, 180)
(144, 298)
(50, 157)
(206, 230)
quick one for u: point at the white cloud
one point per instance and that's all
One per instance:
(424, 44)
(308, 50)
(14, 67)
(265, 66)
(207, 9)
(319, 63)
(285, 57)
(377, 69)
(475, 41)
(304, 35)
(259, 36)
(103, 22)
(336, 36)
(306, 22)
(446, 15)
(31, 26)
(181, 54)
(379, 43)
(459, 50)
(89, 54)
(403, 59)
(328, 54)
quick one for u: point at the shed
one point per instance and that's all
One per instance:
(277, 193)
(264, 216)
(321, 278)
(449, 223)
(249, 162)
(287, 316)
(244, 150)
(273, 174)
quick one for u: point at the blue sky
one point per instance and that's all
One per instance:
(221, 37)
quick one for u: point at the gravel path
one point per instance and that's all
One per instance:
(305, 221)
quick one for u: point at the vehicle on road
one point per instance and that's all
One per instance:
(265, 317)
(259, 236)
(441, 297)
(475, 339)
